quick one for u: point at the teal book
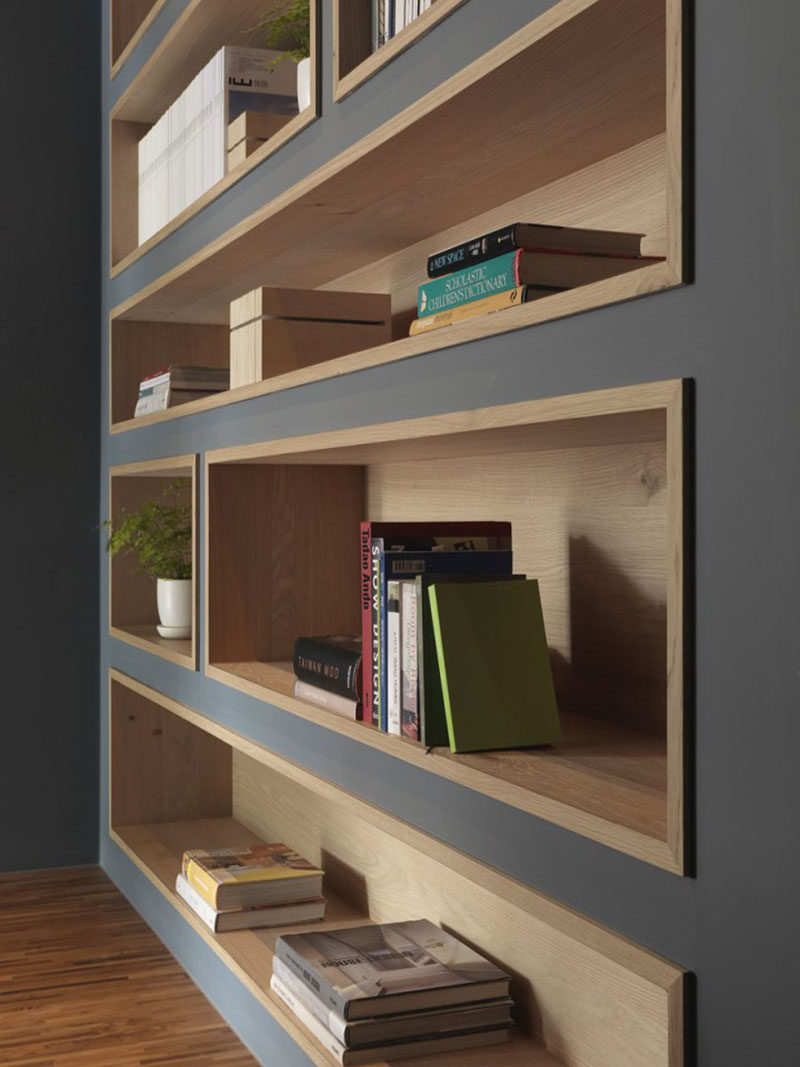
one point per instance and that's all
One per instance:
(493, 276)
(494, 666)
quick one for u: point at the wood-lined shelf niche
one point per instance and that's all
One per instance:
(593, 485)
(133, 613)
(584, 996)
(353, 58)
(588, 132)
(200, 31)
(130, 20)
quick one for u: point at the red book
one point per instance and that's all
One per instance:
(374, 538)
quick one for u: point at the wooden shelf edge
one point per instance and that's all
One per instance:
(129, 48)
(423, 24)
(586, 824)
(164, 466)
(655, 277)
(269, 148)
(146, 645)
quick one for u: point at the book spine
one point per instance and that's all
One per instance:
(409, 671)
(329, 1019)
(393, 657)
(317, 1028)
(366, 621)
(311, 978)
(495, 276)
(328, 666)
(199, 906)
(323, 698)
(437, 633)
(202, 883)
(486, 306)
(383, 707)
(472, 252)
(375, 632)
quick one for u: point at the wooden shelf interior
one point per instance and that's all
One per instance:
(203, 28)
(592, 512)
(354, 60)
(133, 613)
(583, 996)
(129, 18)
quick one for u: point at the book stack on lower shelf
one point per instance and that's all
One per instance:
(516, 264)
(246, 888)
(391, 991)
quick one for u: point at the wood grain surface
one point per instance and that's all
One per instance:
(85, 983)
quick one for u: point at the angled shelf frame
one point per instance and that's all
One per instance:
(590, 134)
(353, 59)
(132, 611)
(584, 996)
(593, 486)
(130, 20)
(202, 28)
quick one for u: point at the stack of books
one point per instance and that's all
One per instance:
(243, 888)
(520, 262)
(185, 153)
(174, 385)
(328, 673)
(389, 17)
(392, 991)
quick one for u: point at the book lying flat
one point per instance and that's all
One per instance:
(221, 922)
(261, 874)
(494, 666)
(366, 971)
(405, 1025)
(392, 1050)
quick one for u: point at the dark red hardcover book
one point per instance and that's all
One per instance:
(408, 534)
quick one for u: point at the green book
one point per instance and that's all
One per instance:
(494, 665)
(494, 276)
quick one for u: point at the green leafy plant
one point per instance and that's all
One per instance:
(159, 534)
(289, 31)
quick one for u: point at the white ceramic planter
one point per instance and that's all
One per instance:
(174, 596)
(304, 84)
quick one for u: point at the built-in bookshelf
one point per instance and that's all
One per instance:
(133, 613)
(583, 995)
(589, 134)
(202, 29)
(593, 487)
(354, 60)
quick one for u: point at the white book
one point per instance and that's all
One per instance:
(393, 657)
(409, 660)
(248, 918)
(343, 706)
(399, 15)
(294, 987)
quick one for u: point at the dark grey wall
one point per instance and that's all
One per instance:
(49, 438)
(734, 332)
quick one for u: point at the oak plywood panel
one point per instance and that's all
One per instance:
(163, 769)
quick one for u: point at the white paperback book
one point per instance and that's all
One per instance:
(393, 687)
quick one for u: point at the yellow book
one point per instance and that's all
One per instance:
(485, 306)
(249, 877)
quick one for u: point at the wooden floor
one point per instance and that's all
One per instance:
(85, 983)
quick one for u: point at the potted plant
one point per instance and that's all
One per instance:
(159, 535)
(290, 32)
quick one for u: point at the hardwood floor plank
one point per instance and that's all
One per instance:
(85, 983)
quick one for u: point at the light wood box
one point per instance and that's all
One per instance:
(584, 996)
(274, 330)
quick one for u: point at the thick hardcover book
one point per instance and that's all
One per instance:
(487, 306)
(494, 666)
(332, 663)
(220, 922)
(368, 971)
(392, 1050)
(564, 270)
(403, 1026)
(372, 535)
(241, 877)
(533, 235)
